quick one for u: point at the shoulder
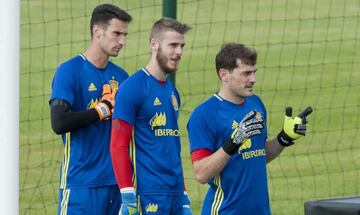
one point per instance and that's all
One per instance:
(68, 71)
(210, 105)
(137, 78)
(77, 61)
(256, 100)
(135, 83)
(72, 65)
(207, 109)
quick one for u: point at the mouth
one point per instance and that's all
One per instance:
(118, 48)
(250, 88)
(175, 61)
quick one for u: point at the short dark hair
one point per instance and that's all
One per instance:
(230, 52)
(168, 24)
(103, 13)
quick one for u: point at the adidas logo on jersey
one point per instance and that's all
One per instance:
(92, 87)
(151, 208)
(157, 101)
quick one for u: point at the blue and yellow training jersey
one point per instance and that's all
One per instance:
(241, 187)
(152, 108)
(87, 161)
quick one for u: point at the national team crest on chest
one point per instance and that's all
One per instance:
(114, 84)
(174, 102)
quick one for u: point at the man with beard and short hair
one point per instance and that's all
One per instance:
(148, 169)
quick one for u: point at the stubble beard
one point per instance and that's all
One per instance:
(162, 61)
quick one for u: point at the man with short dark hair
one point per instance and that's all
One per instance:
(82, 100)
(228, 138)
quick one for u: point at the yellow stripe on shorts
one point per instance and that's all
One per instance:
(218, 197)
(66, 160)
(65, 201)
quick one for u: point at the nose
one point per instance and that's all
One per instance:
(252, 77)
(179, 50)
(122, 40)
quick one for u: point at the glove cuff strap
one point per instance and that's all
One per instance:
(230, 147)
(107, 104)
(103, 110)
(284, 139)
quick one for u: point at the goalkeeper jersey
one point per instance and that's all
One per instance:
(152, 107)
(241, 187)
(86, 161)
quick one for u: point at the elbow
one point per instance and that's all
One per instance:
(58, 127)
(58, 130)
(201, 178)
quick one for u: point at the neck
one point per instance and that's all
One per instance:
(230, 97)
(155, 70)
(96, 56)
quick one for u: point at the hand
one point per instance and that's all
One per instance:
(251, 125)
(186, 204)
(107, 102)
(129, 202)
(108, 94)
(294, 127)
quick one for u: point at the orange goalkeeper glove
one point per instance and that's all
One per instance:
(105, 107)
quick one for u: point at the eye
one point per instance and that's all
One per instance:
(118, 33)
(247, 73)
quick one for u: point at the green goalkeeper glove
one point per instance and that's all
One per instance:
(294, 127)
(250, 125)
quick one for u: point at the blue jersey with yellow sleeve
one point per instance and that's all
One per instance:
(241, 187)
(152, 108)
(87, 161)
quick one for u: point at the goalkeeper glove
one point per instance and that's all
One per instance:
(105, 106)
(129, 202)
(250, 125)
(186, 204)
(294, 127)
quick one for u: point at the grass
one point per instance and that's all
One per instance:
(308, 55)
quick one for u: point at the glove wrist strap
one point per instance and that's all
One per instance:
(284, 139)
(230, 147)
(103, 110)
(107, 104)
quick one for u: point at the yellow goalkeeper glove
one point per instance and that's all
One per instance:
(294, 127)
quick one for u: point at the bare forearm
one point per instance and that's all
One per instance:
(208, 167)
(273, 149)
